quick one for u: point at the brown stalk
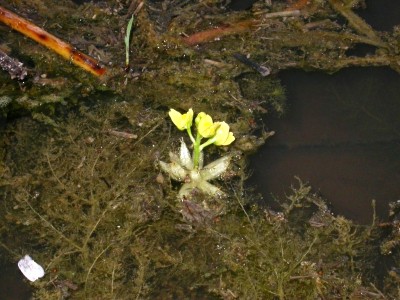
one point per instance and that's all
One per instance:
(50, 41)
(211, 34)
(239, 27)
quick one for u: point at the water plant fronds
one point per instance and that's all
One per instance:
(105, 221)
(106, 229)
(357, 22)
(50, 41)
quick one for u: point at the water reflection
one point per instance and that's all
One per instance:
(342, 135)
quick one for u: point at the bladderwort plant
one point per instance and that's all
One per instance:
(189, 168)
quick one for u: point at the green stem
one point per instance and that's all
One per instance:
(207, 143)
(196, 151)
(189, 132)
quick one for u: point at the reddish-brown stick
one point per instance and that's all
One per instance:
(239, 27)
(211, 34)
(50, 41)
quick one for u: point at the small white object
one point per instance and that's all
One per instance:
(30, 268)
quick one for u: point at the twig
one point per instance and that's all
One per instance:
(123, 134)
(112, 280)
(264, 71)
(50, 41)
(282, 14)
(212, 34)
(239, 27)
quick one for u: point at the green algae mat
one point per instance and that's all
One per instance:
(131, 184)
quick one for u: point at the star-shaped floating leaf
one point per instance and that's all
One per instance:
(181, 169)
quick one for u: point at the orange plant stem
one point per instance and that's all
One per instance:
(214, 33)
(211, 34)
(50, 41)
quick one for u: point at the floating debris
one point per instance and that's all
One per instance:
(14, 67)
(264, 71)
(31, 269)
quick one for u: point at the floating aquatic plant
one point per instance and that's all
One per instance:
(189, 168)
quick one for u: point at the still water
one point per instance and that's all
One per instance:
(341, 134)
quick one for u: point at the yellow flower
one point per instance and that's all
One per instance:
(223, 136)
(182, 121)
(205, 125)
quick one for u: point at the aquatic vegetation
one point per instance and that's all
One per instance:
(94, 216)
(83, 196)
(190, 170)
(127, 39)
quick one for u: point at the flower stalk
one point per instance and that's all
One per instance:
(216, 132)
(189, 168)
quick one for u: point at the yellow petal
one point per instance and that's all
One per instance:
(200, 115)
(229, 140)
(189, 118)
(223, 136)
(182, 121)
(205, 125)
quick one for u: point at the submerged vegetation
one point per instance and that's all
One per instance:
(83, 191)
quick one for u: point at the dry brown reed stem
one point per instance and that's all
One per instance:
(239, 27)
(212, 34)
(50, 41)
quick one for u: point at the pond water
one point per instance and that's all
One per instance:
(342, 135)
(381, 15)
(12, 287)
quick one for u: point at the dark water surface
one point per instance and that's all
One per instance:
(342, 135)
(381, 14)
(12, 286)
